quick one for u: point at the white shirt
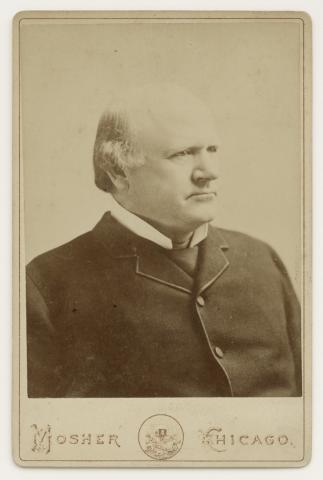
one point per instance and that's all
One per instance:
(138, 226)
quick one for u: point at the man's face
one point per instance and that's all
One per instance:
(176, 187)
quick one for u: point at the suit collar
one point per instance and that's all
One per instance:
(117, 240)
(151, 261)
(143, 229)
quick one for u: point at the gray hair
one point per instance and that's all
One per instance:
(115, 148)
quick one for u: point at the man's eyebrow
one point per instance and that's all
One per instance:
(191, 149)
(187, 148)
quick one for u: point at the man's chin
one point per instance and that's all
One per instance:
(198, 220)
(205, 214)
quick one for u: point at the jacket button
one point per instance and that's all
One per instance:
(200, 300)
(218, 352)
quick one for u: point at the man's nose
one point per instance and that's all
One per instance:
(206, 168)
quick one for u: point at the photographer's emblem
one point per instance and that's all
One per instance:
(161, 437)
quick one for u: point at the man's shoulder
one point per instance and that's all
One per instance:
(92, 251)
(84, 246)
(66, 250)
(244, 249)
(60, 261)
(234, 239)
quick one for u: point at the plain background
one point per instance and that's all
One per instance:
(249, 73)
(7, 467)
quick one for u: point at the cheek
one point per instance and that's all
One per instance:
(169, 184)
(174, 178)
(145, 191)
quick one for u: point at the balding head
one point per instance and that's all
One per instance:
(156, 151)
(142, 121)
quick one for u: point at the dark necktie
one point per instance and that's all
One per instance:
(185, 258)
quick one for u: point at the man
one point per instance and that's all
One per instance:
(154, 301)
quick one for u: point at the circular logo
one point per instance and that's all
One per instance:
(161, 437)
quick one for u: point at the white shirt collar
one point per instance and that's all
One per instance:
(138, 226)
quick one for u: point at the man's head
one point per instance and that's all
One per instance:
(156, 152)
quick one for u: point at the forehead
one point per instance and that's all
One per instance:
(175, 133)
(171, 120)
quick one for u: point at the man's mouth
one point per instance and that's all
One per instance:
(202, 195)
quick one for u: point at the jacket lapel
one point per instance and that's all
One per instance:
(151, 261)
(212, 260)
(154, 264)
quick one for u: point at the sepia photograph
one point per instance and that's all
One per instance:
(163, 231)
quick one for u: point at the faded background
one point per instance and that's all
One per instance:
(248, 71)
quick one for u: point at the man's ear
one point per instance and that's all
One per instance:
(119, 178)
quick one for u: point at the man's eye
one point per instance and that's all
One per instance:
(212, 148)
(182, 153)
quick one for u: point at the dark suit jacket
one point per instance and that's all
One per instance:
(110, 315)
